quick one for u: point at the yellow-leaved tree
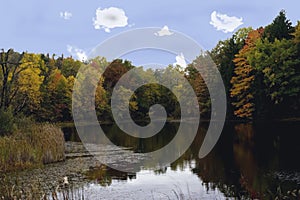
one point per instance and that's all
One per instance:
(29, 83)
(20, 81)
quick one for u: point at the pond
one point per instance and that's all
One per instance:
(249, 161)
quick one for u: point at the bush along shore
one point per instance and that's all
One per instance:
(32, 146)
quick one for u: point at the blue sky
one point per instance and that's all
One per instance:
(67, 26)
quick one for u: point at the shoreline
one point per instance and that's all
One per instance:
(70, 124)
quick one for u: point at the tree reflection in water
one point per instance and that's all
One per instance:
(249, 160)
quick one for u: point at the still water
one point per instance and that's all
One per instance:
(249, 161)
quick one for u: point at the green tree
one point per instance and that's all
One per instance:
(279, 29)
(87, 82)
(199, 86)
(70, 67)
(278, 61)
(122, 93)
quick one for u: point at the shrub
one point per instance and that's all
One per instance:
(7, 125)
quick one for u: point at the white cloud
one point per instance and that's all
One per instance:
(180, 60)
(66, 15)
(225, 23)
(109, 18)
(164, 32)
(131, 25)
(78, 53)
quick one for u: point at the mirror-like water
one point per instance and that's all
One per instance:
(249, 161)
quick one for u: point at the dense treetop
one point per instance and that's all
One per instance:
(260, 70)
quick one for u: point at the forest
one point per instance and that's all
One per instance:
(255, 156)
(260, 70)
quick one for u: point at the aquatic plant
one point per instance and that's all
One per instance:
(34, 145)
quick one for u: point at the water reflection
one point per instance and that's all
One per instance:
(104, 175)
(249, 161)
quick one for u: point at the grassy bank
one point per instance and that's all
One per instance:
(32, 146)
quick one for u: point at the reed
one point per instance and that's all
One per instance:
(31, 146)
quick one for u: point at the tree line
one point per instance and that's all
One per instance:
(260, 70)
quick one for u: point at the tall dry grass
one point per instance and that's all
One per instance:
(31, 146)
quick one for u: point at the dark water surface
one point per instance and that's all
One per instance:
(249, 161)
